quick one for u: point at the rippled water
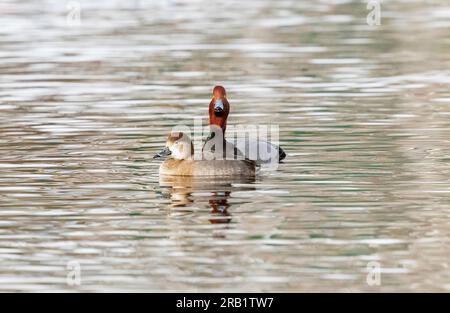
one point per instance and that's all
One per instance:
(363, 113)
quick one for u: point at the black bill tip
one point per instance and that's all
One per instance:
(218, 112)
(163, 153)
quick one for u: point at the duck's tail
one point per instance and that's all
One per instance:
(281, 154)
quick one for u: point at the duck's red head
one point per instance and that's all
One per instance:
(219, 108)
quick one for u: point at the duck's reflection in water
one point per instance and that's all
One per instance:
(185, 191)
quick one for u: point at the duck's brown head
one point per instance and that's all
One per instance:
(179, 146)
(219, 108)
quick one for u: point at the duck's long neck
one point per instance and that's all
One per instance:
(216, 126)
(220, 121)
(219, 108)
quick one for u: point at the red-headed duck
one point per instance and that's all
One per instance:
(219, 109)
(181, 162)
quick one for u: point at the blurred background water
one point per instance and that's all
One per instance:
(363, 113)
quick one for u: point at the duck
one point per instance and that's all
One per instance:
(219, 109)
(179, 151)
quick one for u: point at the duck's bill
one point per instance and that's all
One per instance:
(163, 153)
(218, 107)
(218, 112)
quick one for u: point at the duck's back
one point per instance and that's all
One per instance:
(260, 150)
(220, 168)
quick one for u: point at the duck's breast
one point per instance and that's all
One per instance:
(172, 167)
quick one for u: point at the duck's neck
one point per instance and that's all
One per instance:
(218, 122)
(186, 152)
(219, 119)
(214, 129)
